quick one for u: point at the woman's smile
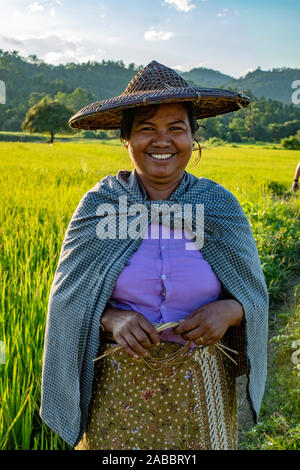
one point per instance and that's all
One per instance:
(161, 156)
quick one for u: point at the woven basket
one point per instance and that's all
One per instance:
(157, 84)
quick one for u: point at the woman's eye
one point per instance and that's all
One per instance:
(147, 129)
(175, 128)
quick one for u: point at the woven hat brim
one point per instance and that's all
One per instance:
(107, 114)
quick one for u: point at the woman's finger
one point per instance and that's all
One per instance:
(134, 345)
(207, 340)
(141, 336)
(151, 331)
(125, 346)
(188, 324)
(201, 341)
(193, 334)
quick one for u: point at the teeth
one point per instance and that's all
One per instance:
(160, 156)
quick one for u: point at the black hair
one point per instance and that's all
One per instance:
(149, 111)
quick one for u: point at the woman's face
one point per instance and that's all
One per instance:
(160, 146)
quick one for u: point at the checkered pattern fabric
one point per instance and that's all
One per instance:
(87, 271)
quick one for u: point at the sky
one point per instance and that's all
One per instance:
(233, 37)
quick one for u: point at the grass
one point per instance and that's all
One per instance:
(40, 187)
(279, 427)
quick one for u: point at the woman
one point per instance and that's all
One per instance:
(169, 390)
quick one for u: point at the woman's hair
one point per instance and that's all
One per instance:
(149, 111)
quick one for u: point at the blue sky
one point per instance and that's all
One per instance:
(226, 35)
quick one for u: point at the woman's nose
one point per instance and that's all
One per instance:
(161, 139)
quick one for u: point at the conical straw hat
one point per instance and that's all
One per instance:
(157, 84)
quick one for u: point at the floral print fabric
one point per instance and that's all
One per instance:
(137, 408)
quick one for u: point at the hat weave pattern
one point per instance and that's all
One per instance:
(157, 84)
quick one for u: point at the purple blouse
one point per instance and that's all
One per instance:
(165, 282)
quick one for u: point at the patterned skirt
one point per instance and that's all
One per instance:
(188, 404)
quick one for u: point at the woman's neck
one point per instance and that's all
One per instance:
(161, 191)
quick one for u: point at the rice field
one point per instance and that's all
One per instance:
(40, 187)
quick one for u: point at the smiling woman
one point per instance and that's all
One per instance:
(160, 145)
(202, 314)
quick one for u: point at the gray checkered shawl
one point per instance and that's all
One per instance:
(86, 274)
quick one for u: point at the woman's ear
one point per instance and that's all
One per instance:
(124, 142)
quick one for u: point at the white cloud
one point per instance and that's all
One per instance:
(9, 42)
(182, 68)
(48, 43)
(54, 49)
(244, 72)
(35, 6)
(110, 40)
(181, 5)
(224, 12)
(152, 35)
(202, 64)
(79, 55)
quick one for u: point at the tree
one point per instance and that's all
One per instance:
(237, 129)
(12, 124)
(35, 97)
(291, 143)
(285, 129)
(208, 128)
(47, 116)
(76, 100)
(33, 59)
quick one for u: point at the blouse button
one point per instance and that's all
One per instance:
(163, 276)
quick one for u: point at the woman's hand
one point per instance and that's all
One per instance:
(208, 324)
(131, 330)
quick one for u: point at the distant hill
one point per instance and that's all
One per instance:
(274, 84)
(206, 77)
